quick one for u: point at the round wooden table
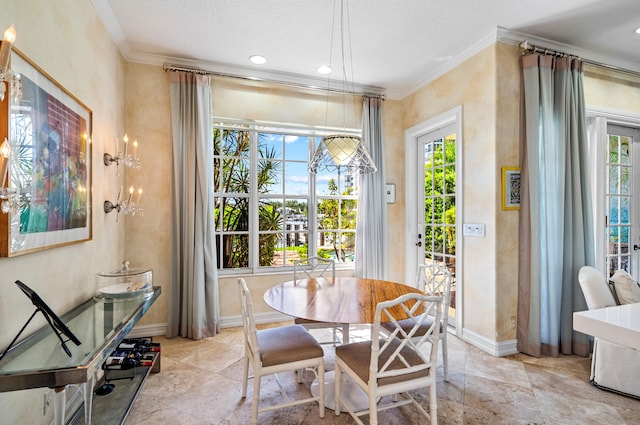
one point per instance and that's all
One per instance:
(339, 300)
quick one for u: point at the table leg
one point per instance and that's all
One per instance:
(351, 393)
(88, 399)
(59, 404)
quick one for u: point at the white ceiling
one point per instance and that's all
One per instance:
(397, 45)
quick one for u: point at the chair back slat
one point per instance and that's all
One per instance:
(436, 280)
(313, 267)
(248, 320)
(388, 354)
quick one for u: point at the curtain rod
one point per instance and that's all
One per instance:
(529, 48)
(171, 67)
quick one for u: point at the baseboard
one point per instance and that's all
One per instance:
(497, 349)
(140, 331)
(157, 329)
(494, 348)
(270, 317)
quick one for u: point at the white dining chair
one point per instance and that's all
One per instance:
(395, 363)
(274, 350)
(434, 280)
(317, 267)
(614, 367)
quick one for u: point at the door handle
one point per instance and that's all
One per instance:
(636, 247)
(420, 244)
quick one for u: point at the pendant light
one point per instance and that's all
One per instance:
(342, 152)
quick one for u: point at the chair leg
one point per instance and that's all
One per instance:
(245, 376)
(373, 411)
(445, 359)
(256, 399)
(338, 378)
(433, 404)
(345, 333)
(321, 388)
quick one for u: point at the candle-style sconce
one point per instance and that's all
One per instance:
(9, 200)
(128, 159)
(6, 73)
(128, 206)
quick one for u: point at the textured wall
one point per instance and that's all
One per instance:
(148, 119)
(472, 84)
(67, 40)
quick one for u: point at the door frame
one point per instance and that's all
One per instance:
(598, 132)
(452, 116)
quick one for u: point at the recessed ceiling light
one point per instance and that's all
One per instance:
(257, 59)
(637, 31)
(324, 69)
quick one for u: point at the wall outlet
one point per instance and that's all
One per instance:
(473, 229)
(513, 322)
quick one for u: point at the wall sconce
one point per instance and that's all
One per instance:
(7, 199)
(129, 160)
(6, 74)
(128, 206)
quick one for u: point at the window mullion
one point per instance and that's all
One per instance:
(312, 211)
(254, 237)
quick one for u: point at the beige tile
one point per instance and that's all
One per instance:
(200, 383)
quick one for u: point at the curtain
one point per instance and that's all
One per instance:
(556, 223)
(371, 228)
(193, 304)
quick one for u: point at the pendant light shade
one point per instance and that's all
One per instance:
(346, 152)
(342, 152)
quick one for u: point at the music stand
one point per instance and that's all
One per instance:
(58, 326)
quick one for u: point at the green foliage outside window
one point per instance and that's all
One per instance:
(334, 215)
(440, 202)
(231, 214)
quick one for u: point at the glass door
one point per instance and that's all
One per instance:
(437, 211)
(622, 224)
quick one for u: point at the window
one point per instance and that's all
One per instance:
(265, 200)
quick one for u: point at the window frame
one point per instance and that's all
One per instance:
(255, 128)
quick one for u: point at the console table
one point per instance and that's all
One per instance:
(39, 360)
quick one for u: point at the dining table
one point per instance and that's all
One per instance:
(350, 300)
(618, 324)
(336, 300)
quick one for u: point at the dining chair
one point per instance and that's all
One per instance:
(434, 280)
(614, 367)
(316, 267)
(274, 350)
(393, 363)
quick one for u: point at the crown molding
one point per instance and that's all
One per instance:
(516, 38)
(276, 77)
(467, 53)
(503, 35)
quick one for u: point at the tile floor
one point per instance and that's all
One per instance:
(200, 383)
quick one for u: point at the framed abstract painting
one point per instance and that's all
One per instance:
(49, 133)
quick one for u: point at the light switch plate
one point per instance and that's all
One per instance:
(391, 193)
(473, 229)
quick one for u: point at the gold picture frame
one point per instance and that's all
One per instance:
(49, 131)
(510, 188)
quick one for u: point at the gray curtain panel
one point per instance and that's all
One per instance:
(193, 304)
(556, 223)
(371, 224)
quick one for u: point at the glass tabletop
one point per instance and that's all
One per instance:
(99, 323)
